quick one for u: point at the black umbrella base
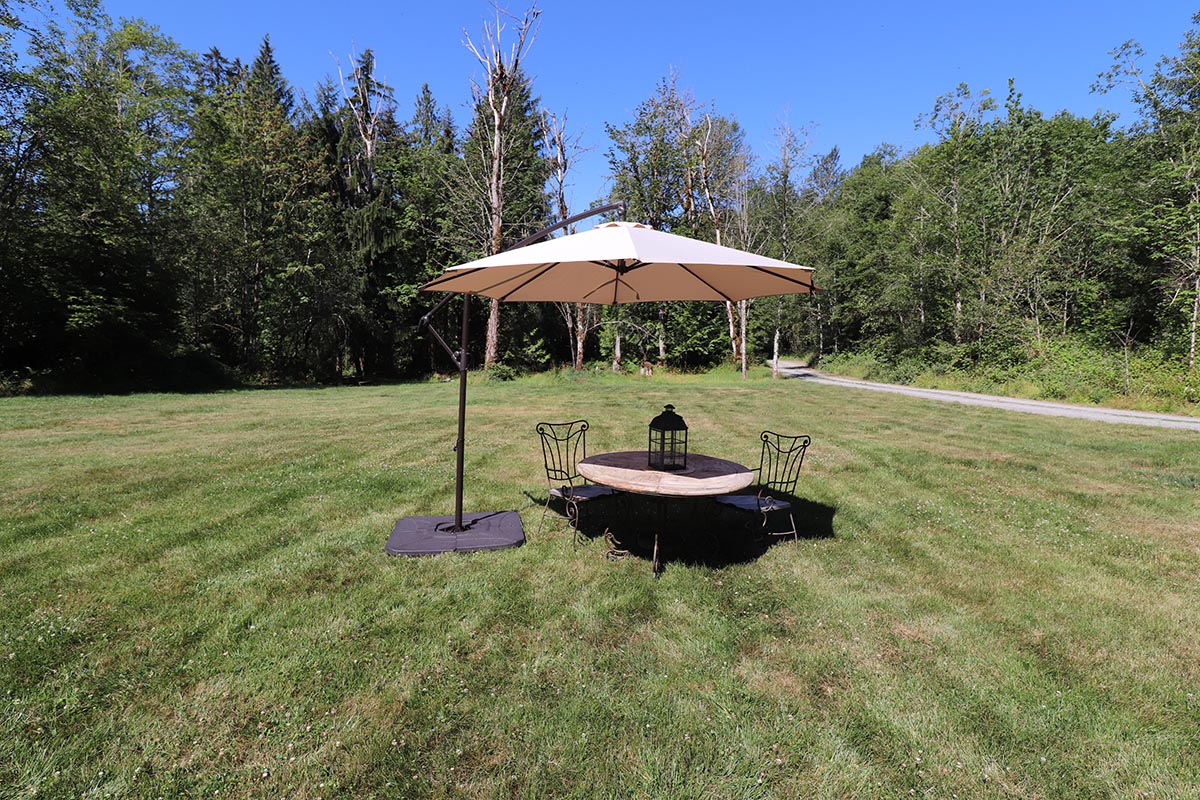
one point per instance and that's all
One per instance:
(427, 536)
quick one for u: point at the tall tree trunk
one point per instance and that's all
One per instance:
(580, 330)
(1195, 317)
(491, 351)
(743, 312)
(737, 313)
(775, 356)
(562, 149)
(492, 343)
(775, 345)
(958, 316)
(502, 72)
(733, 339)
(662, 332)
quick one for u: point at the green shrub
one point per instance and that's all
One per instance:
(1067, 369)
(500, 372)
(13, 384)
(865, 365)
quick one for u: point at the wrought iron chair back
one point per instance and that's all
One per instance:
(778, 474)
(782, 456)
(564, 445)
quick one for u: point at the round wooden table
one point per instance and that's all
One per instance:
(628, 471)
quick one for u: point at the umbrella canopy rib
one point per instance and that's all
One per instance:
(696, 275)
(616, 283)
(530, 276)
(435, 285)
(622, 267)
(808, 284)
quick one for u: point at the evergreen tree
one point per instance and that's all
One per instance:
(266, 79)
(423, 186)
(369, 157)
(251, 205)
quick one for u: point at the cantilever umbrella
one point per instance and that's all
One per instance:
(614, 263)
(624, 262)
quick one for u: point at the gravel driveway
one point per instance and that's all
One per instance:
(799, 371)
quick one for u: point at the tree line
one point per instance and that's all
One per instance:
(174, 220)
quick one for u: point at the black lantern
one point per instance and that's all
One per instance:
(668, 441)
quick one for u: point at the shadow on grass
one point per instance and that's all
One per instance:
(689, 530)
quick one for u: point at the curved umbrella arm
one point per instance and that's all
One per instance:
(460, 356)
(591, 212)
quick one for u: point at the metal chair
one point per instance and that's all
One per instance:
(778, 473)
(563, 445)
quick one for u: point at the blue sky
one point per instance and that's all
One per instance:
(854, 73)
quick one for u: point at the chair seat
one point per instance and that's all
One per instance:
(750, 502)
(582, 492)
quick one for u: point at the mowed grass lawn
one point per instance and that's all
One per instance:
(195, 602)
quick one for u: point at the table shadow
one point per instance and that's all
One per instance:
(693, 531)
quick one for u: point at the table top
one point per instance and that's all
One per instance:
(628, 471)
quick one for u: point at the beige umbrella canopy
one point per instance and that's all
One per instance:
(624, 262)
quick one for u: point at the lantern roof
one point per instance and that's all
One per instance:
(668, 420)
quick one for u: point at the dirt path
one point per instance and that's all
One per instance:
(801, 372)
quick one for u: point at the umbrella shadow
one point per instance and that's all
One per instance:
(694, 531)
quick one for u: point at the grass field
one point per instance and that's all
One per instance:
(195, 602)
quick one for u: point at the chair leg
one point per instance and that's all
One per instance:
(794, 531)
(545, 511)
(573, 512)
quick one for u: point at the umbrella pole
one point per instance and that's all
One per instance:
(415, 536)
(462, 353)
(462, 413)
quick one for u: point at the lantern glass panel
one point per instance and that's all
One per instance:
(667, 448)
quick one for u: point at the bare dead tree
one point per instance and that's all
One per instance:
(502, 75)
(722, 167)
(370, 103)
(581, 318)
(791, 147)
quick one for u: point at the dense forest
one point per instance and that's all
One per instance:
(176, 220)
